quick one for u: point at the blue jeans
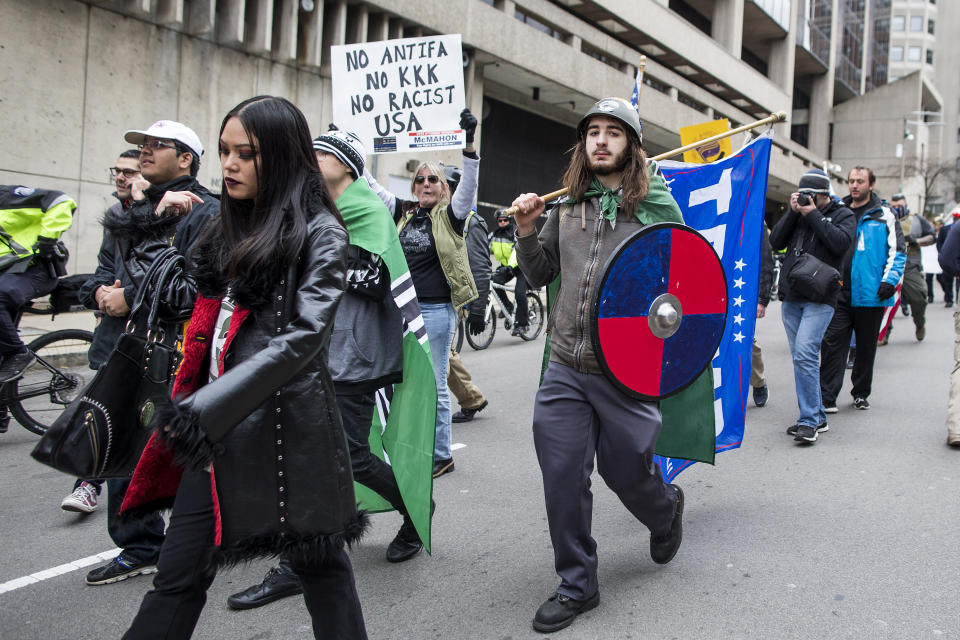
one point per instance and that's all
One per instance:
(805, 323)
(440, 320)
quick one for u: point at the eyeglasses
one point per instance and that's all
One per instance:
(127, 173)
(156, 145)
(432, 179)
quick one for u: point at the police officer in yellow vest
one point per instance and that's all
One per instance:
(31, 261)
(502, 243)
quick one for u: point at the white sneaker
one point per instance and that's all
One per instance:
(82, 500)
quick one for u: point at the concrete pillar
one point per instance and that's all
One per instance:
(509, 7)
(395, 30)
(865, 39)
(334, 30)
(674, 93)
(378, 28)
(358, 20)
(170, 13)
(139, 8)
(285, 30)
(473, 94)
(310, 52)
(201, 17)
(782, 55)
(258, 26)
(576, 42)
(728, 25)
(230, 21)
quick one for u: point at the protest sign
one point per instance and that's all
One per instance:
(710, 151)
(400, 95)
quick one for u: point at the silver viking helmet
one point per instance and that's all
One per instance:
(616, 108)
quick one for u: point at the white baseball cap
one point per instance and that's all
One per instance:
(167, 130)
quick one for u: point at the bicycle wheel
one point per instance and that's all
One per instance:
(59, 374)
(483, 339)
(458, 338)
(535, 317)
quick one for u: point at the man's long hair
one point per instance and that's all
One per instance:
(635, 182)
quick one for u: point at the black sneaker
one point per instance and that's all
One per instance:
(466, 415)
(560, 610)
(519, 329)
(120, 568)
(823, 426)
(760, 395)
(279, 582)
(440, 467)
(406, 544)
(861, 403)
(830, 408)
(663, 548)
(805, 433)
(14, 365)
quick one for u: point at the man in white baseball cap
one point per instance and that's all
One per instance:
(166, 135)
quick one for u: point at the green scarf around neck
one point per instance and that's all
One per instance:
(657, 206)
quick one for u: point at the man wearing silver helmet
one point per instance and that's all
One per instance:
(579, 415)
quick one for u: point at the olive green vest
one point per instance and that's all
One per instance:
(452, 251)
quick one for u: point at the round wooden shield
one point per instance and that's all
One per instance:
(660, 311)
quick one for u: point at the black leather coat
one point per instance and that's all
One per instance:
(269, 423)
(141, 235)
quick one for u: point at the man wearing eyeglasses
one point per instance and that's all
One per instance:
(170, 212)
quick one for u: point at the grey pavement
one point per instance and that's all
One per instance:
(854, 537)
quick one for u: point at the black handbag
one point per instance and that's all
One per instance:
(812, 278)
(102, 433)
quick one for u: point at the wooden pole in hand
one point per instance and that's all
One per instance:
(773, 118)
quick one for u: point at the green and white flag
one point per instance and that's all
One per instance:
(404, 423)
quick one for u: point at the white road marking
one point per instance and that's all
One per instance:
(457, 445)
(46, 574)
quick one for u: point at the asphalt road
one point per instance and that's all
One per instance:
(854, 537)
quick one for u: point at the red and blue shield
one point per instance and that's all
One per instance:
(660, 311)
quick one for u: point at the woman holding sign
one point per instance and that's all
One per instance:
(431, 234)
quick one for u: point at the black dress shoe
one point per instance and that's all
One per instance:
(560, 610)
(441, 467)
(406, 544)
(278, 583)
(466, 415)
(663, 548)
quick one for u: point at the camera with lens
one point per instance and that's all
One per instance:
(803, 199)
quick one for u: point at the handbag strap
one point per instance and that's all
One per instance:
(148, 280)
(171, 263)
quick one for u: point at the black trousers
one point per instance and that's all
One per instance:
(520, 293)
(140, 538)
(864, 323)
(186, 570)
(356, 412)
(16, 290)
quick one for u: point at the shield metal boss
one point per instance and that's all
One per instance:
(659, 311)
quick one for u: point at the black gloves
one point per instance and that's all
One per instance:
(45, 248)
(909, 239)
(886, 290)
(476, 323)
(504, 273)
(468, 122)
(332, 127)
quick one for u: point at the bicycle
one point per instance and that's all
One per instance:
(58, 375)
(495, 311)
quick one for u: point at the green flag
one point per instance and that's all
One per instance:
(404, 421)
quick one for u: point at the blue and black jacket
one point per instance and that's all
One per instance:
(878, 254)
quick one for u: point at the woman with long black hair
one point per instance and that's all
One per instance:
(254, 424)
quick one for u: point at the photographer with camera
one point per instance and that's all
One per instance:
(32, 259)
(816, 231)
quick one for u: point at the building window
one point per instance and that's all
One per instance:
(930, 26)
(929, 56)
(897, 23)
(916, 24)
(913, 54)
(896, 53)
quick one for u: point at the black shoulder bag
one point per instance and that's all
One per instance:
(102, 433)
(811, 277)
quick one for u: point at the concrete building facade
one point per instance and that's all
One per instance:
(77, 73)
